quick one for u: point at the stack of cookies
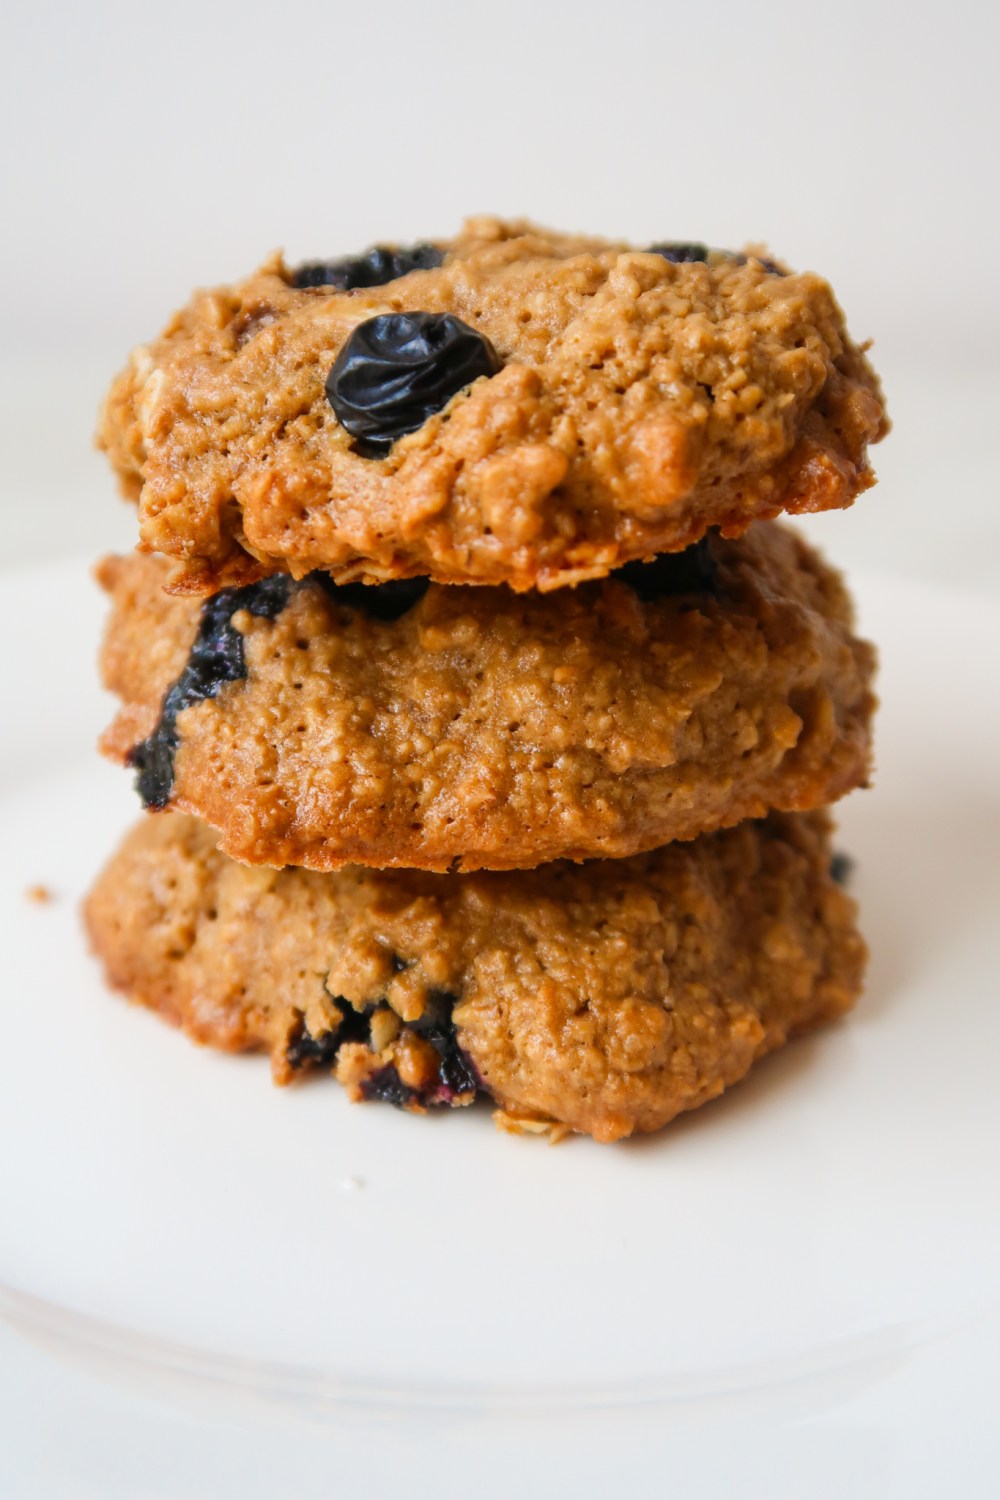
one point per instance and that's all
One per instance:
(487, 713)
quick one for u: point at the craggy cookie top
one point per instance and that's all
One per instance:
(513, 405)
(607, 996)
(448, 727)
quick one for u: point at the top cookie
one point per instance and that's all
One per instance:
(513, 406)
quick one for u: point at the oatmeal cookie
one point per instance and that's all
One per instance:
(512, 406)
(606, 997)
(438, 728)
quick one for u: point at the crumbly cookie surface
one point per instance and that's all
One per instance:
(639, 402)
(484, 729)
(607, 997)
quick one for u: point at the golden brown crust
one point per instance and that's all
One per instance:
(640, 403)
(484, 729)
(608, 996)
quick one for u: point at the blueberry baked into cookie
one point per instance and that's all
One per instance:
(510, 406)
(439, 728)
(483, 712)
(607, 997)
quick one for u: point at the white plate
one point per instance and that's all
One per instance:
(211, 1286)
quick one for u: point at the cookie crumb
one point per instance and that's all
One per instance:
(41, 895)
(512, 1124)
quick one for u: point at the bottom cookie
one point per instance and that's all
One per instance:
(605, 998)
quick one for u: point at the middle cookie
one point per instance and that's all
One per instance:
(446, 727)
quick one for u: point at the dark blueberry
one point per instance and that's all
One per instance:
(841, 868)
(383, 601)
(354, 1026)
(305, 1048)
(456, 1074)
(692, 571)
(379, 265)
(770, 266)
(387, 1086)
(398, 369)
(216, 658)
(679, 253)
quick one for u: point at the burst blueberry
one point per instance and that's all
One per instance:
(692, 571)
(216, 658)
(382, 601)
(770, 266)
(379, 265)
(304, 1049)
(398, 369)
(456, 1073)
(387, 1086)
(680, 252)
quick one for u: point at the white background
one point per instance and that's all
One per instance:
(149, 148)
